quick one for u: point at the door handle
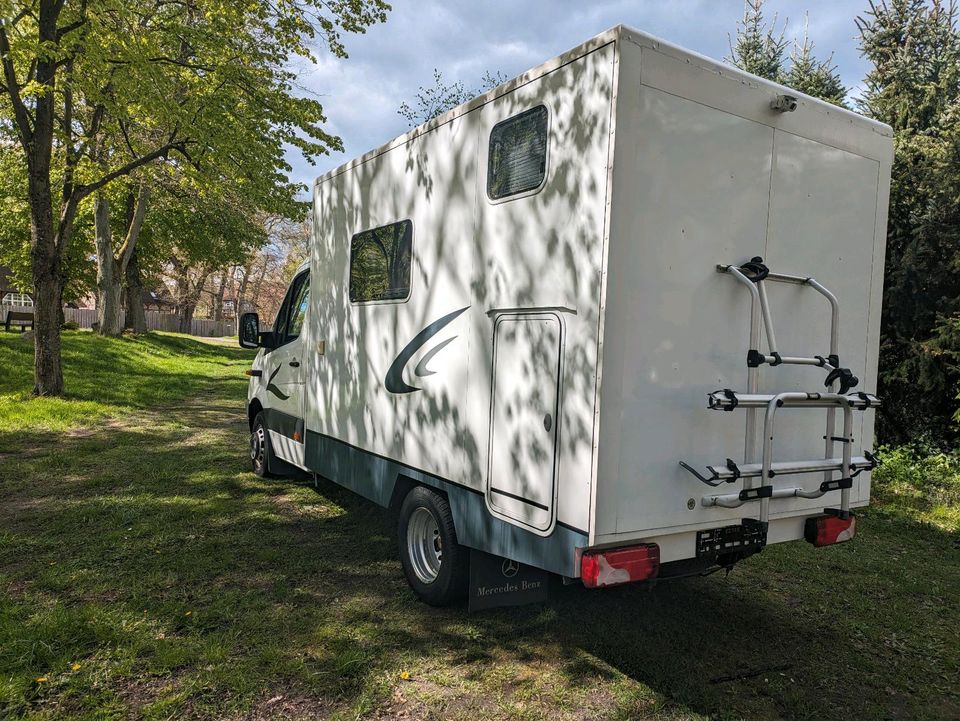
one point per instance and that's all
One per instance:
(294, 364)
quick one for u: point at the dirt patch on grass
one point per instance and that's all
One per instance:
(422, 699)
(288, 704)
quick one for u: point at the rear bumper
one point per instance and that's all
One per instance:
(681, 545)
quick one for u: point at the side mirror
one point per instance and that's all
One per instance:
(249, 330)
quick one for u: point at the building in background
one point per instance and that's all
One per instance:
(10, 294)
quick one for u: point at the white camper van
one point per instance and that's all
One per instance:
(617, 319)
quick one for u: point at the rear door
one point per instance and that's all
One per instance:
(285, 366)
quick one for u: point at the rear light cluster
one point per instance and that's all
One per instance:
(829, 529)
(619, 565)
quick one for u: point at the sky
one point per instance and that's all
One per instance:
(466, 38)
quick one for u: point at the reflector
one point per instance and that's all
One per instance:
(829, 529)
(619, 565)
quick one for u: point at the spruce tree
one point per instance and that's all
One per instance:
(914, 86)
(758, 48)
(813, 76)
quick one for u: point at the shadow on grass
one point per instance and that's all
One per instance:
(153, 558)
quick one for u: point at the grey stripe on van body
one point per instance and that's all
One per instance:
(374, 477)
(283, 423)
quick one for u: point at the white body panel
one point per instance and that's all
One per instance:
(705, 174)
(594, 299)
(540, 251)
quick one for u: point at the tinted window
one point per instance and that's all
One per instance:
(380, 263)
(298, 308)
(290, 316)
(517, 160)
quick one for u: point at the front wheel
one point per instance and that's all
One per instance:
(435, 564)
(260, 450)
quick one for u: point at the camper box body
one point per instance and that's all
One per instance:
(550, 365)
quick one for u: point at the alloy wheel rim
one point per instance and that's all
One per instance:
(424, 545)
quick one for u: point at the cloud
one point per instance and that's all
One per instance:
(464, 39)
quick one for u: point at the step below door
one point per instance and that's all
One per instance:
(521, 482)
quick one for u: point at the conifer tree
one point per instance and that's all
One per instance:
(914, 86)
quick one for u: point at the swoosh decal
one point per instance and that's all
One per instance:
(272, 388)
(421, 370)
(393, 380)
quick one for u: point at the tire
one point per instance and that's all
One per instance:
(261, 454)
(438, 571)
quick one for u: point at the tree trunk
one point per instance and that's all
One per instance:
(218, 298)
(258, 285)
(186, 316)
(136, 316)
(47, 371)
(47, 280)
(108, 275)
(242, 291)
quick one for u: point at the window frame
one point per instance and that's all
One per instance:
(20, 297)
(381, 301)
(546, 160)
(280, 340)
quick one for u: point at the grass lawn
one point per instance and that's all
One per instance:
(146, 573)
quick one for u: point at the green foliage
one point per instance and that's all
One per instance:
(920, 481)
(812, 76)
(761, 49)
(15, 232)
(120, 85)
(914, 86)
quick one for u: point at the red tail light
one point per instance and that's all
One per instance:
(619, 565)
(829, 529)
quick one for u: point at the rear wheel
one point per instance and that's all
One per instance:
(261, 455)
(435, 564)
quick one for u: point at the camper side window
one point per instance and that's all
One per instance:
(517, 159)
(380, 263)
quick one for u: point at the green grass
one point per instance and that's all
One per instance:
(921, 483)
(145, 573)
(106, 376)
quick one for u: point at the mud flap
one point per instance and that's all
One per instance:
(497, 581)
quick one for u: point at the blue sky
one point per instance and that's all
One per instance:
(463, 39)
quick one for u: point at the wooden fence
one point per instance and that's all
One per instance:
(86, 317)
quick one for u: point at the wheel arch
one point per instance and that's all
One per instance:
(253, 408)
(404, 484)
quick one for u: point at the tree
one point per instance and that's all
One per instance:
(204, 80)
(814, 77)
(914, 86)
(761, 49)
(15, 232)
(196, 229)
(441, 97)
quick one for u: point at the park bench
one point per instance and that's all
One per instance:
(21, 318)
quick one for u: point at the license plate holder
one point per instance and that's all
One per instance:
(742, 539)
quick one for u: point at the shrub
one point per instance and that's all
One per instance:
(920, 479)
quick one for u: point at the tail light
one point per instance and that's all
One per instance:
(619, 565)
(829, 529)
